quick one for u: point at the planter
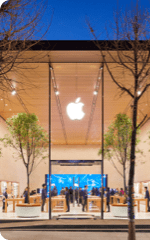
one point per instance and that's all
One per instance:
(120, 210)
(28, 210)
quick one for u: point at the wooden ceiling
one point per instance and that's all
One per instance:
(75, 73)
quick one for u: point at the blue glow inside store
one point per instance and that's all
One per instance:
(78, 180)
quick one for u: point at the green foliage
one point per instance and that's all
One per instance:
(28, 138)
(117, 140)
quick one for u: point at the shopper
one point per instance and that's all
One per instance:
(121, 192)
(85, 196)
(54, 192)
(76, 194)
(26, 198)
(71, 194)
(147, 196)
(62, 192)
(44, 195)
(67, 195)
(5, 196)
(108, 199)
(80, 195)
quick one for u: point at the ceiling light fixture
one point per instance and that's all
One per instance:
(57, 92)
(138, 92)
(13, 92)
(1, 99)
(95, 92)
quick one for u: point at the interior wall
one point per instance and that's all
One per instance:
(10, 168)
(76, 152)
(142, 170)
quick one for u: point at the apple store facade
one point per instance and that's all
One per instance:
(75, 99)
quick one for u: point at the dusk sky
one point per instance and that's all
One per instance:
(69, 18)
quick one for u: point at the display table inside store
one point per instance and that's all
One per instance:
(95, 204)
(138, 200)
(35, 198)
(58, 204)
(116, 199)
(120, 210)
(14, 200)
(28, 210)
(119, 199)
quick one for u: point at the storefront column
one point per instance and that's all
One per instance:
(50, 213)
(102, 145)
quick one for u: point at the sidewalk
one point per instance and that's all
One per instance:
(56, 235)
(73, 224)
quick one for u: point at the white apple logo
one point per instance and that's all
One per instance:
(74, 110)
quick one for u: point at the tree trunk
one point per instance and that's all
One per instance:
(28, 185)
(124, 177)
(131, 216)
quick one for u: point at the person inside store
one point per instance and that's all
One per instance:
(108, 198)
(117, 191)
(5, 196)
(93, 191)
(54, 192)
(26, 200)
(43, 196)
(80, 195)
(125, 198)
(33, 192)
(84, 196)
(96, 192)
(71, 194)
(147, 196)
(76, 195)
(67, 196)
(62, 191)
(121, 192)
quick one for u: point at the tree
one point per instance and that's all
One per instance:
(29, 140)
(21, 23)
(132, 54)
(117, 143)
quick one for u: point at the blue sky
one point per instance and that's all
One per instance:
(69, 19)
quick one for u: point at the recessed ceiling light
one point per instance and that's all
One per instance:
(138, 92)
(95, 92)
(6, 104)
(13, 92)
(1, 98)
(57, 92)
(9, 109)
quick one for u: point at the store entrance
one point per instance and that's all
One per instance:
(75, 195)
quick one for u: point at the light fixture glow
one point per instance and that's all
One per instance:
(13, 92)
(6, 104)
(1, 99)
(138, 92)
(74, 110)
(57, 93)
(95, 92)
